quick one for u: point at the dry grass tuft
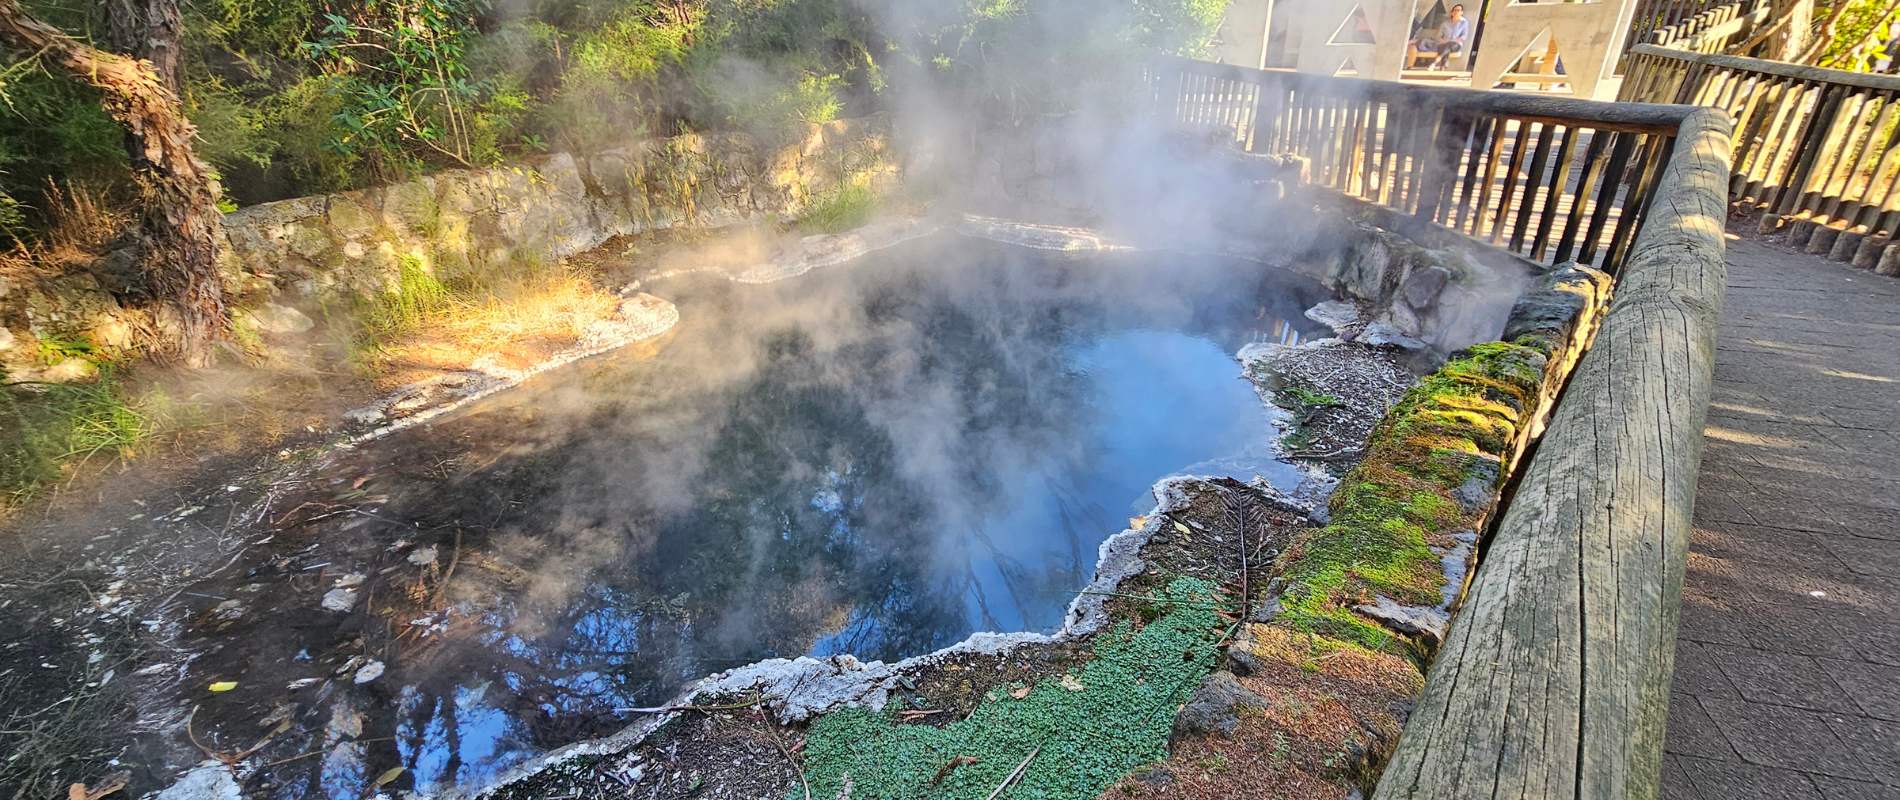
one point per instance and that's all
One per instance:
(515, 320)
(559, 304)
(80, 221)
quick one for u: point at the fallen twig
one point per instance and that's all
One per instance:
(945, 770)
(442, 586)
(772, 731)
(1014, 774)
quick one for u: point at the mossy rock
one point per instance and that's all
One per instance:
(1392, 515)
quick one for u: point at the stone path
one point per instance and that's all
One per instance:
(1787, 678)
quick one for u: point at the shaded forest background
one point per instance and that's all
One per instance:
(299, 97)
(296, 97)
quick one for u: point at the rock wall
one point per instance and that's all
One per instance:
(309, 250)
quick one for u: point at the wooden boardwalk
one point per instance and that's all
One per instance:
(1787, 681)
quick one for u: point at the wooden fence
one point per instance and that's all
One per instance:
(1718, 29)
(1550, 179)
(1818, 147)
(1677, 19)
(1554, 679)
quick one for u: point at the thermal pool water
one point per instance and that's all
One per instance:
(875, 459)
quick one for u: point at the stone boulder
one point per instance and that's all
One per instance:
(1215, 707)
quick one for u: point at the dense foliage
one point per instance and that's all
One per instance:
(299, 96)
(1857, 39)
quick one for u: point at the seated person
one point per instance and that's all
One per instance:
(1449, 40)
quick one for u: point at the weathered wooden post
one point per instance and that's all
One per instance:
(1554, 680)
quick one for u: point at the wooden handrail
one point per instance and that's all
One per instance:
(1712, 30)
(1650, 117)
(1777, 68)
(1554, 679)
(1497, 166)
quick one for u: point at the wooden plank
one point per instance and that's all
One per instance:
(1886, 170)
(1788, 114)
(1480, 143)
(1876, 113)
(1807, 147)
(1533, 181)
(1554, 679)
(1829, 176)
(1376, 125)
(1606, 197)
(1355, 148)
(1556, 192)
(1481, 215)
(1636, 205)
(1810, 74)
(1507, 194)
(1748, 124)
(1594, 156)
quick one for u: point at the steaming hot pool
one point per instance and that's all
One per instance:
(875, 459)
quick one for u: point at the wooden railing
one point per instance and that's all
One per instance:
(1550, 179)
(1819, 146)
(1553, 681)
(1675, 19)
(1720, 29)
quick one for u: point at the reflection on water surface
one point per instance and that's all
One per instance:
(876, 460)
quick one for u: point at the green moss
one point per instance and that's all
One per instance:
(1307, 398)
(1304, 401)
(1089, 737)
(1386, 512)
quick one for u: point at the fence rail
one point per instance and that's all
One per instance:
(1551, 179)
(1818, 145)
(1719, 29)
(1676, 19)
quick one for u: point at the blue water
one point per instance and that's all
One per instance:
(879, 460)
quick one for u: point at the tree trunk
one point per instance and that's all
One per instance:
(151, 30)
(1800, 24)
(179, 224)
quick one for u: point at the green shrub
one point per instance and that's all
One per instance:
(417, 295)
(851, 206)
(408, 98)
(298, 123)
(231, 129)
(48, 426)
(301, 96)
(53, 130)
